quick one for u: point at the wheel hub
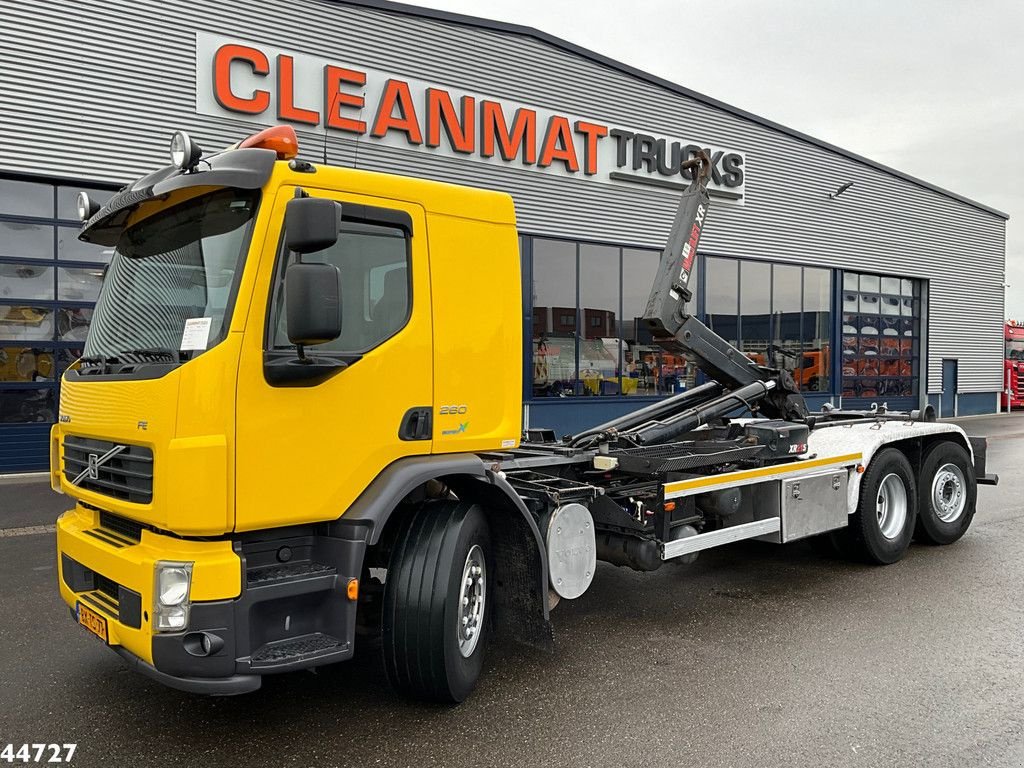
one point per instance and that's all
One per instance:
(472, 595)
(949, 492)
(891, 506)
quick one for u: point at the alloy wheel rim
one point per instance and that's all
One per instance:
(949, 493)
(472, 597)
(891, 506)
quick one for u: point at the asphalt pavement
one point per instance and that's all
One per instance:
(756, 655)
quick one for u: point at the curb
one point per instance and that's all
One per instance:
(25, 477)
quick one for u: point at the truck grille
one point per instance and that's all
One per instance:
(102, 593)
(127, 475)
(127, 528)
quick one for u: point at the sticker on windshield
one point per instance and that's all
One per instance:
(196, 333)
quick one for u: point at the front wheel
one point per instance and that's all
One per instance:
(883, 525)
(948, 494)
(436, 598)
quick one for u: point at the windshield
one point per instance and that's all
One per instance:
(167, 293)
(1015, 350)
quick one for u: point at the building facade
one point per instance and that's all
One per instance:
(890, 291)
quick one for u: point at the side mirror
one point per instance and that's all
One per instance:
(311, 224)
(312, 296)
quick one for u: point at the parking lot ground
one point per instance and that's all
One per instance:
(756, 655)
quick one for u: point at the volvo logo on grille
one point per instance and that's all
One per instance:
(92, 470)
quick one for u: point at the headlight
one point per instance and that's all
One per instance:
(185, 153)
(171, 604)
(172, 585)
(171, 619)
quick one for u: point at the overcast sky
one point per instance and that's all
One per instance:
(932, 88)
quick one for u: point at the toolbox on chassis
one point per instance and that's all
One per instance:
(280, 444)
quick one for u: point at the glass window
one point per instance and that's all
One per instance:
(67, 200)
(755, 309)
(26, 198)
(787, 336)
(26, 322)
(375, 287)
(178, 264)
(817, 330)
(81, 283)
(26, 241)
(851, 301)
(73, 323)
(721, 297)
(891, 285)
(26, 281)
(869, 303)
(649, 369)
(26, 364)
(880, 354)
(600, 348)
(70, 248)
(554, 318)
(27, 405)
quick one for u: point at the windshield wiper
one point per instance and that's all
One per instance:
(106, 363)
(100, 361)
(173, 355)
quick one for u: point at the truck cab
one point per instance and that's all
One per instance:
(212, 454)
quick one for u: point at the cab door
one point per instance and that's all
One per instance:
(306, 449)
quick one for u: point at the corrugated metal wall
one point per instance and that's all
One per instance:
(92, 90)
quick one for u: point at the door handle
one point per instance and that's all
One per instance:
(416, 425)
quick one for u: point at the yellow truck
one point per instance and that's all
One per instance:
(279, 443)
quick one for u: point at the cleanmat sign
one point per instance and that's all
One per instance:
(268, 85)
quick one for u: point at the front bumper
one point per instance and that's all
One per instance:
(211, 686)
(112, 571)
(262, 605)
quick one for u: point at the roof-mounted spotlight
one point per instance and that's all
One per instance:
(185, 153)
(87, 207)
(838, 192)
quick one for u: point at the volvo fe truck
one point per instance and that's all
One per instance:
(296, 428)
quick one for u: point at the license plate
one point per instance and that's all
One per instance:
(92, 621)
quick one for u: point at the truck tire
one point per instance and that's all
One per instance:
(881, 529)
(434, 623)
(948, 494)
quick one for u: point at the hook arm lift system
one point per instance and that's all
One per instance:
(740, 381)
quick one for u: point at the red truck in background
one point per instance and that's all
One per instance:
(1013, 366)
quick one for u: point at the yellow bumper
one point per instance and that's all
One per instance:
(216, 573)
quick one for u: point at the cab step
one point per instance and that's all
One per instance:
(290, 579)
(316, 646)
(281, 572)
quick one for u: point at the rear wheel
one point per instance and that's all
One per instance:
(948, 494)
(883, 525)
(436, 598)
